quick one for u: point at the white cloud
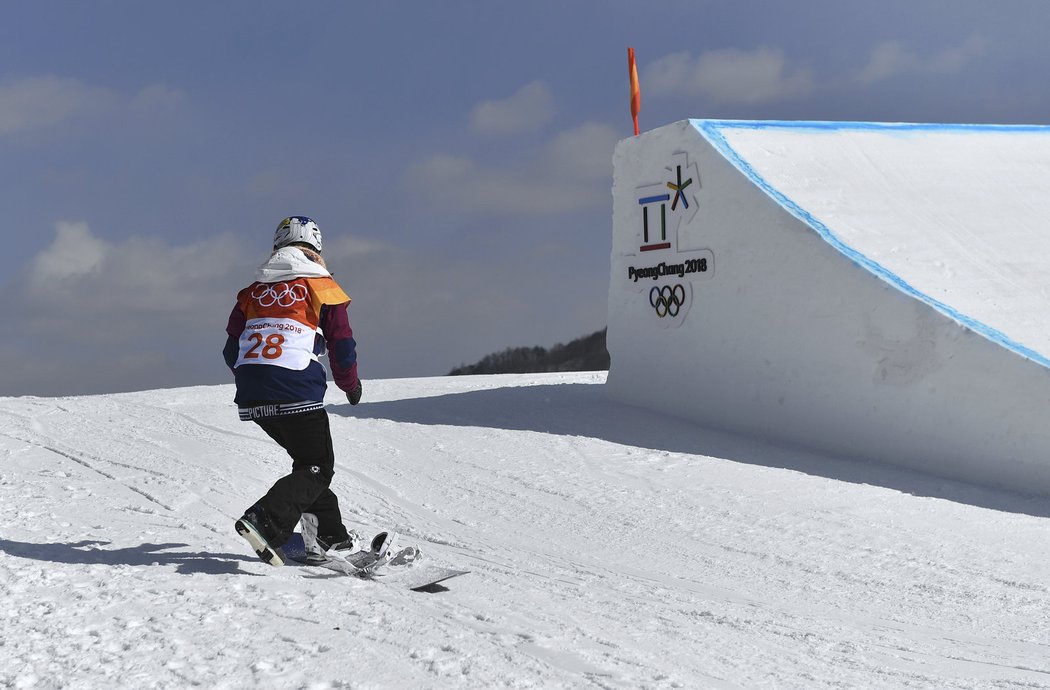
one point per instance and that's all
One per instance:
(765, 75)
(728, 77)
(74, 253)
(38, 102)
(157, 97)
(464, 185)
(86, 278)
(891, 59)
(97, 314)
(571, 173)
(90, 275)
(584, 152)
(531, 107)
(347, 248)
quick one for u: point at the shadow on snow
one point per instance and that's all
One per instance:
(584, 410)
(89, 552)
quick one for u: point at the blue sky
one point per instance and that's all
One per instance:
(456, 155)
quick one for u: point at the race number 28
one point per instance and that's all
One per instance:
(270, 348)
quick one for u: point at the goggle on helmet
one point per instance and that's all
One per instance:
(297, 229)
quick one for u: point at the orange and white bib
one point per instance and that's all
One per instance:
(282, 320)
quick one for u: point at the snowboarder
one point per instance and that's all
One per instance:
(291, 314)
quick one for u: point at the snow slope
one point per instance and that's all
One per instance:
(953, 214)
(610, 547)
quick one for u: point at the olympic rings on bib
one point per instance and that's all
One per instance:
(281, 294)
(667, 300)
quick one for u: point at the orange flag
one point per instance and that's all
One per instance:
(636, 93)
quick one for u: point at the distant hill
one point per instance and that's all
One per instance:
(584, 354)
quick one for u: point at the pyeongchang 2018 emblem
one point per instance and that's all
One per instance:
(662, 265)
(667, 204)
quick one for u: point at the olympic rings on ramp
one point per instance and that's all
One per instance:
(667, 300)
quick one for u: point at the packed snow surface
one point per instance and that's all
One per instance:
(951, 211)
(609, 546)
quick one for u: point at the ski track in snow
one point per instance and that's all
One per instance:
(609, 547)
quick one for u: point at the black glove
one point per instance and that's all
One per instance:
(354, 396)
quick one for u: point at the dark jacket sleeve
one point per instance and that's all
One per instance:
(234, 328)
(342, 348)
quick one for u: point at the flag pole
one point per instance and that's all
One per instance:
(636, 94)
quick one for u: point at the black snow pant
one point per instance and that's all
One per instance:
(308, 439)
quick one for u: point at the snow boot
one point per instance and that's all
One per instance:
(253, 527)
(351, 543)
(317, 548)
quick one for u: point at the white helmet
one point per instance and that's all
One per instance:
(297, 229)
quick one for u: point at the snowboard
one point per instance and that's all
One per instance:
(399, 571)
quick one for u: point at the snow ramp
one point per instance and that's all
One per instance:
(874, 290)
